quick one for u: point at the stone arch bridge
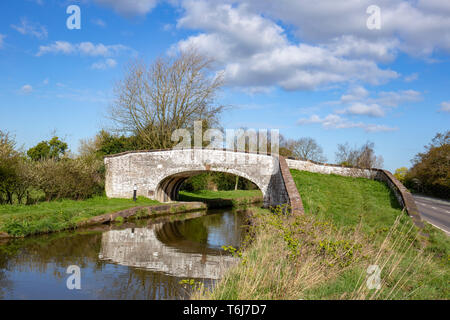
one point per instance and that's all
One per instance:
(159, 174)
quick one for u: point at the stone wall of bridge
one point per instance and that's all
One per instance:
(159, 174)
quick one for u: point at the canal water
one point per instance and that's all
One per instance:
(146, 259)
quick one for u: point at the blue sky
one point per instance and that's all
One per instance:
(308, 68)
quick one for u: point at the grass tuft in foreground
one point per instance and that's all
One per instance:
(305, 258)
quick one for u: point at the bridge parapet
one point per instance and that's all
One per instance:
(159, 174)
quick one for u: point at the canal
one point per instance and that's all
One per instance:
(144, 259)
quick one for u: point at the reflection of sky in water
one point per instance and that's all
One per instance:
(110, 282)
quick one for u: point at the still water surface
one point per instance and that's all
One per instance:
(142, 260)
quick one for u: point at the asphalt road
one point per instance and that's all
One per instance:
(434, 211)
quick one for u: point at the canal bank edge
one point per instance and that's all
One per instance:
(135, 212)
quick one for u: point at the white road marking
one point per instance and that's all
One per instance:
(446, 232)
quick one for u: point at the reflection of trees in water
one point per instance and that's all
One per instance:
(5, 284)
(52, 254)
(61, 250)
(212, 230)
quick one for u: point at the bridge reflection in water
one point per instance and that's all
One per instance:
(186, 249)
(136, 260)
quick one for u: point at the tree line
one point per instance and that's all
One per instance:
(430, 171)
(150, 102)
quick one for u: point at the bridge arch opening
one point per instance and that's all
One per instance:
(168, 188)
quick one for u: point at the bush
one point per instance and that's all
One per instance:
(14, 174)
(75, 179)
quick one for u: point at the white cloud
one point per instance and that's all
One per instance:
(357, 101)
(57, 47)
(358, 108)
(355, 93)
(26, 89)
(395, 98)
(130, 7)
(33, 29)
(436, 6)
(255, 52)
(412, 77)
(103, 65)
(445, 106)
(2, 36)
(419, 27)
(99, 22)
(352, 47)
(333, 121)
(84, 48)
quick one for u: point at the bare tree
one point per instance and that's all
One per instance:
(306, 149)
(173, 92)
(363, 157)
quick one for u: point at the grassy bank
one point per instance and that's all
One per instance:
(349, 225)
(218, 199)
(21, 220)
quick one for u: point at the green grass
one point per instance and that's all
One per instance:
(347, 201)
(349, 224)
(21, 220)
(228, 194)
(223, 199)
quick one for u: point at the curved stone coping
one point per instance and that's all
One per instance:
(172, 149)
(293, 193)
(140, 212)
(404, 197)
(402, 194)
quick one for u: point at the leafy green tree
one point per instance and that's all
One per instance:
(431, 169)
(400, 173)
(14, 173)
(53, 149)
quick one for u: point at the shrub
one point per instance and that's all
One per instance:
(14, 173)
(75, 179)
